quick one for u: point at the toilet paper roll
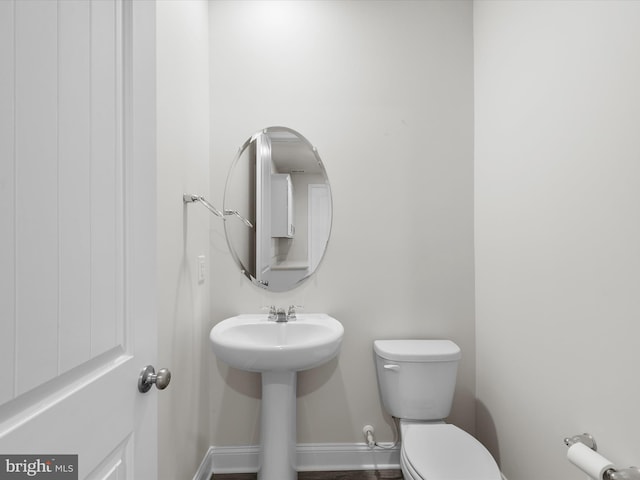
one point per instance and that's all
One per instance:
(589, 461)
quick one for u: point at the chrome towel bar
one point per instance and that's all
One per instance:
(189, 198)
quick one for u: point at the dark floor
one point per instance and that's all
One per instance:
(337, 475)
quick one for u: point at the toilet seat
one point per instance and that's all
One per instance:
(408, 472)
(440, 451)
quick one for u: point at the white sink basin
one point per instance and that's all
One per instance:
(253, 343)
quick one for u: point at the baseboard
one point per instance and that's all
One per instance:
(206, 468)
(317, 457)
(310, 456)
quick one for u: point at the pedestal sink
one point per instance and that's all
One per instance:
(278, 350)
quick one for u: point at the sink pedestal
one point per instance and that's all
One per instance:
(278, 350)
(278, 426)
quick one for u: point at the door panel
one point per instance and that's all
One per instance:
(68, 187)
(36, 226)
(7, 203)
(78, 194)
(74, 172)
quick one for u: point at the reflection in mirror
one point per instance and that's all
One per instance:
(279, 184)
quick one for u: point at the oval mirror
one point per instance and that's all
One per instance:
(278, 209)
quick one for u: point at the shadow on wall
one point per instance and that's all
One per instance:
(246, 383)
(243, 391)
(309, 382)
(486, 431)
(318, 400)
(240, 402)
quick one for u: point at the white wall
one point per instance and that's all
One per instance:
(557, 167)
(384, 90)
(183, 167)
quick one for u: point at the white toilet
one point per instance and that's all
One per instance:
(417, 379)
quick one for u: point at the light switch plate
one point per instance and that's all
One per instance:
(201, 268)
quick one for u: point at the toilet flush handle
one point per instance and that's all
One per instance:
(392, 366)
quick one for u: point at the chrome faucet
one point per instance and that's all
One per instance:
(278, 314)
(281, 315)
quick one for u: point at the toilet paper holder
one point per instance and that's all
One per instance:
(631, 473)
(585, 438)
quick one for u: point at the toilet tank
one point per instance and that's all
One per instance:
(417, 378)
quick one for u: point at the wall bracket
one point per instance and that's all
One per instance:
(189, 198)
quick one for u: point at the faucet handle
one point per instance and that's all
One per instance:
(291, 313)
(273, 314)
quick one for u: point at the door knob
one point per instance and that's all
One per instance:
(148, 377)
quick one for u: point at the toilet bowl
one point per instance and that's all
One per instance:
(416, 379)
(442, 451)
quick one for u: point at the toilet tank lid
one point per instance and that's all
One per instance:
(417, 350)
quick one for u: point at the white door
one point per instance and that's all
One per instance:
(77, 234)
